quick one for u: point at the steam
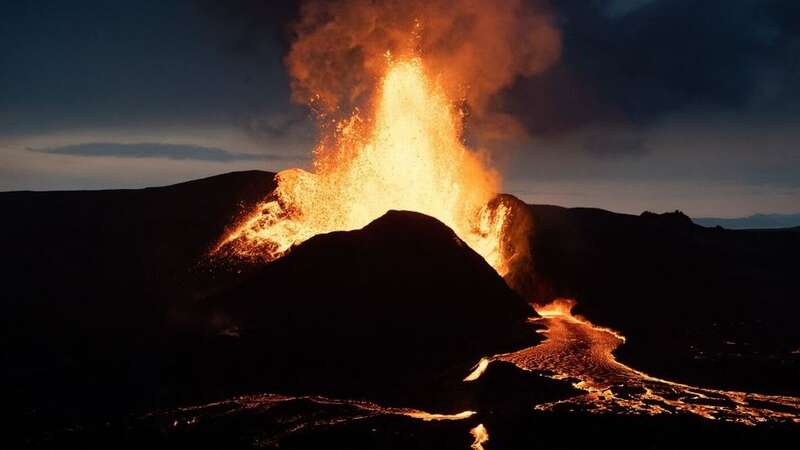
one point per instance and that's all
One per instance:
(475, 48)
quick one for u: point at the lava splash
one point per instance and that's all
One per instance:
(407, 155)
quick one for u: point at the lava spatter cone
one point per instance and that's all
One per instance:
(371, 312)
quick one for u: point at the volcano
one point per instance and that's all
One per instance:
(135, 317)
(120, 328)
(403, 293)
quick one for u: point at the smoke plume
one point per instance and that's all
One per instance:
(475, 48)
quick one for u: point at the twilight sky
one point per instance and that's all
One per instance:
(655, 104)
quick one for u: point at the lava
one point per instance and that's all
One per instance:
(481, 436)
(478, 369)
(407, 155)
(562, 308)
(581, 352)
(323, 412)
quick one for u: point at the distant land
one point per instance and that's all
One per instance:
(754, 221)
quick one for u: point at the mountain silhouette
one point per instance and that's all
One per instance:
(112, 309)
(113, 305)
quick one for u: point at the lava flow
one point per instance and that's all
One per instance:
(408, 156)
(282, 412)
(579, 351)
(480, 435)
(405, 150)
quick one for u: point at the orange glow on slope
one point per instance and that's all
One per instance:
(408, 156)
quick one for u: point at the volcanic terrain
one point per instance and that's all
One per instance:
(123, 329)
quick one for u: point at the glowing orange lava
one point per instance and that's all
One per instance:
(408, 155)
(579, 351)
(481, 436)
(328, 412)
(561, 308)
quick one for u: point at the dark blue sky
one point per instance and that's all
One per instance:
(655, 104)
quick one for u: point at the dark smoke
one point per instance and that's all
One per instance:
(475, 48)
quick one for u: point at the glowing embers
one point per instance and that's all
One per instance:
(408, 155)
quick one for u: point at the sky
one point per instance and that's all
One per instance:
(653, 105)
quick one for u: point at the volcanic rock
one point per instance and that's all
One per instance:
(372, 312)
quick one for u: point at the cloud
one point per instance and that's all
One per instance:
(608, 144)
(634, 62)
(244, 26)
(474, 48)
(294, 125)
(618, 8)
(157, 150)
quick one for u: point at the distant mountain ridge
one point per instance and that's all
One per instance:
(753, 221)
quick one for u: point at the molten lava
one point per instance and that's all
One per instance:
(577, 350)
(480, 435)
(408, 155)
(561, 308)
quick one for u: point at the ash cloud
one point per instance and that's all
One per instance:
(633, 62)
(249, 25)
(546, 70)
(476, 48)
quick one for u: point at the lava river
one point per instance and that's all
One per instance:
(578, 351)
(575, 350)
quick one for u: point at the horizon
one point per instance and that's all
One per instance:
(790, 215)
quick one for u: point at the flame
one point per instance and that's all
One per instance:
(481, 436)
(408, 155)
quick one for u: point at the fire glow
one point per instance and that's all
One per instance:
(408, 155)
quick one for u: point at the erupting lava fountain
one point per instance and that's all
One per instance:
(408, 155)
